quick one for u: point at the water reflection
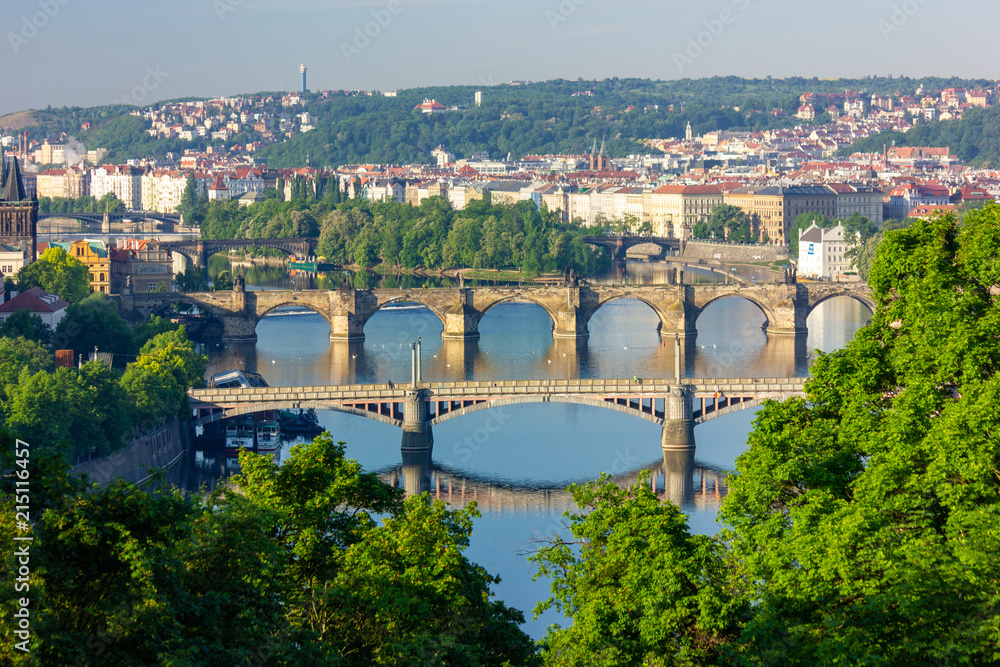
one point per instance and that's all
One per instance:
(677, 477)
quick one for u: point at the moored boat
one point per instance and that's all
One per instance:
(268, 435)
(240, 433)
(301, 422)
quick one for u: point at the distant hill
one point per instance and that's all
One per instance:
(20, 120)
(975, 139)
(558, 116)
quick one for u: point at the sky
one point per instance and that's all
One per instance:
(94, 52)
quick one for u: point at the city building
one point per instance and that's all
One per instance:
(142, 266)
(49, 307)
(70, 183)
(773, 209)
(674, 210)
(822, 252)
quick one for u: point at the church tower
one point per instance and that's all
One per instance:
(18, 213)
(689, 133)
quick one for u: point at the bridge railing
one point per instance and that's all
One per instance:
(382, 392)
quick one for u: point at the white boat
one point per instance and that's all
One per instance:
(240, 433)
(268, 435)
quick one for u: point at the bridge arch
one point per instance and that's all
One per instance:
(156, 303)
(408, 298)
(863, 299)
(769, 315)
(519, 298)
(571, 400)
(253, 408)
(294, 304)
(656, 308)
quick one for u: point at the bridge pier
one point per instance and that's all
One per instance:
(678, 476)
(570, 320)
(417, 434)
(416, 470)
(239, 329)
(350, 309)
(462, 320)
(678, 422)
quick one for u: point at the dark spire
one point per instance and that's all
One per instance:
(14, 187)
(593, 151)
(3, 176)
(602, 145)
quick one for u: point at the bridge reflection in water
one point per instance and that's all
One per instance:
(677, 477)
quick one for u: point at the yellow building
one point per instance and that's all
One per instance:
(98, 261)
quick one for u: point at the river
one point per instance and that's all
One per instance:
(516, 460)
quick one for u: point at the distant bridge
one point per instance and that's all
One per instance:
(115, 217)
(785, 307)
(197, 252)
(620, 245)
(417, 408)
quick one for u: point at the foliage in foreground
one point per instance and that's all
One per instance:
(861, 527)
(287, 568)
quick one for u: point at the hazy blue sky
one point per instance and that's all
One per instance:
(89, 52)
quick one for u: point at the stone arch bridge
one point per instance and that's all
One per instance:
(198, 252)
(416, 409)
(785, 307)
(618, 246)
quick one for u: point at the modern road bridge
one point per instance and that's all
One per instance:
(417, 407)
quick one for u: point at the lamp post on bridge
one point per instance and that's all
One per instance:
(677, 357)
(413, 365)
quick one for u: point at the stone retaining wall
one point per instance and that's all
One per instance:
(725, 252)
(155, 449)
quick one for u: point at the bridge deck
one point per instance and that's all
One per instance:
(701, 388)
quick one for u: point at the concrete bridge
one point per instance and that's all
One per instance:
(417, 407)
(785, 307)
(676, 477)
(197, 252)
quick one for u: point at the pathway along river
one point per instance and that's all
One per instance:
(515, 461)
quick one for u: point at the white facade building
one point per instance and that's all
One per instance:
(822, 252)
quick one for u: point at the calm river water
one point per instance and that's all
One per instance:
(516, 461)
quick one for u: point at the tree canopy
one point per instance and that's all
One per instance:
(57, 273)
(860, 527)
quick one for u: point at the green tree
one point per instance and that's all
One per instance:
(223, 281)
(94, 322)
(93, 414)
(21, 354)
(730, 222)
(25, 324)
(862, 520)
(57, 273)
(638, 586)
(192, 279)
(189, 207)
(802, 222)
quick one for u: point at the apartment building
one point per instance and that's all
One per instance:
(124, 181)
